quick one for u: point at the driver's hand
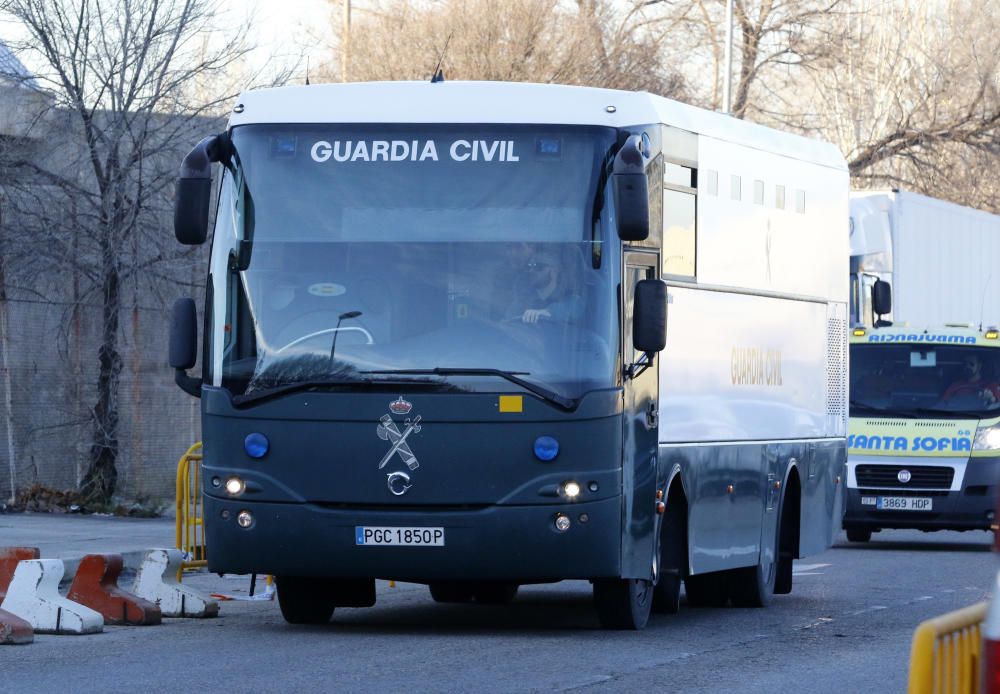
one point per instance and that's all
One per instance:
(533, 314)
(988, 397)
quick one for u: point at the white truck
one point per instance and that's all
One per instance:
(937, 256)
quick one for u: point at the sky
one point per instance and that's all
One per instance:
(285, 27)
(282, 29)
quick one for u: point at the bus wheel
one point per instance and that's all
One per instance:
(452, 591)
(673, 557)
(707, 590)
(859, 534)
(306, 599)
(495, 592)
(623, 603)
(753, 586)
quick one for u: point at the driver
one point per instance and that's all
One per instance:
(548, 292)
(974, 382)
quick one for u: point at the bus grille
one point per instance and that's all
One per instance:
(886, 476)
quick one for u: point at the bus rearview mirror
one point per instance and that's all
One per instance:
(649, 316)
(184, 344)
(630, 190)
(194, 189)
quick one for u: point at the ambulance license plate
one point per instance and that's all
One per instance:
(904, 503)
(399, 537)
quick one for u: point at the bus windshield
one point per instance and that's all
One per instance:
(930, 380)
(408, 248)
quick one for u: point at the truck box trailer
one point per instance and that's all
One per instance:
(938, 257)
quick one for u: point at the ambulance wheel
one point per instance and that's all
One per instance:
(623, 603)
(707, 590)
(494, 592)
(859, 534)
(452, 591)
(306, 599)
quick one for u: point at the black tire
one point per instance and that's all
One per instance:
(667, 594)
(753, 586)
(707, 590)
(787, 534)
(495, 592)
(305, 599)
(452, 591)
(623, 603)
(859, 534)
(673, 557)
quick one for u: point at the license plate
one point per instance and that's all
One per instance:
(904, 503)
(399, 537)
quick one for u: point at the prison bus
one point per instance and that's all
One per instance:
(481, 335)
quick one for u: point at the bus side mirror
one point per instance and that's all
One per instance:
(630, 191)
(881, 299)
(184, 345)
(649, 316)
(194, 190)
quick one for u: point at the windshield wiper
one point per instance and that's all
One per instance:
(512, 376)
(285, 389)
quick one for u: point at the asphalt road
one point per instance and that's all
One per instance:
(846, 627)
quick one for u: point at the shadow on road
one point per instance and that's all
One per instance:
(541, 614)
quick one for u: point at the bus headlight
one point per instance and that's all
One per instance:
(235, 486)
(570, 490)
(987, 439)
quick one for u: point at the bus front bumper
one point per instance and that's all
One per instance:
(518, 543)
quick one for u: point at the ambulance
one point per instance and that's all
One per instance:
(924, 429)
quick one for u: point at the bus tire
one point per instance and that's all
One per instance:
(306, 599)
(673, 556)
(859, 534)
(495, 592)
(707, 590)
(452, 591)
(753, 586)
(623, 603)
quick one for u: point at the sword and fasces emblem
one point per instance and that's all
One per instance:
(388, 431)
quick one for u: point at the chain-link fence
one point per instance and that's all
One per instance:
(48, 384)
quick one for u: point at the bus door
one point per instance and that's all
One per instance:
(640, 435)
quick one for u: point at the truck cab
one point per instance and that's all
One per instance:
(924, 429)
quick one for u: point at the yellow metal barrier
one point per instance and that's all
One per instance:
(946, 653)
(190, 510)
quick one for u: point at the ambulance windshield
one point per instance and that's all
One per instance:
(387, 248)
(948, 380)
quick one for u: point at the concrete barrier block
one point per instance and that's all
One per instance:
(14, 630)
(157, 582)
(96, 586)
(9, 558)
(33, 595)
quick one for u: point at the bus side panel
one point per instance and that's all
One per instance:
(823, 479)
(724, 487)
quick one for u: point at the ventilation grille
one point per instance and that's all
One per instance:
(887, 477)
(836, 367)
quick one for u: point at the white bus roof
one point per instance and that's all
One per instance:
(514, 103)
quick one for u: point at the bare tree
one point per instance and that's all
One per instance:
(914, 99)
(589, 42)
(774, 42)
(121, 76)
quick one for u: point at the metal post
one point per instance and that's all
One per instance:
(728, 60)
(345, 41)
